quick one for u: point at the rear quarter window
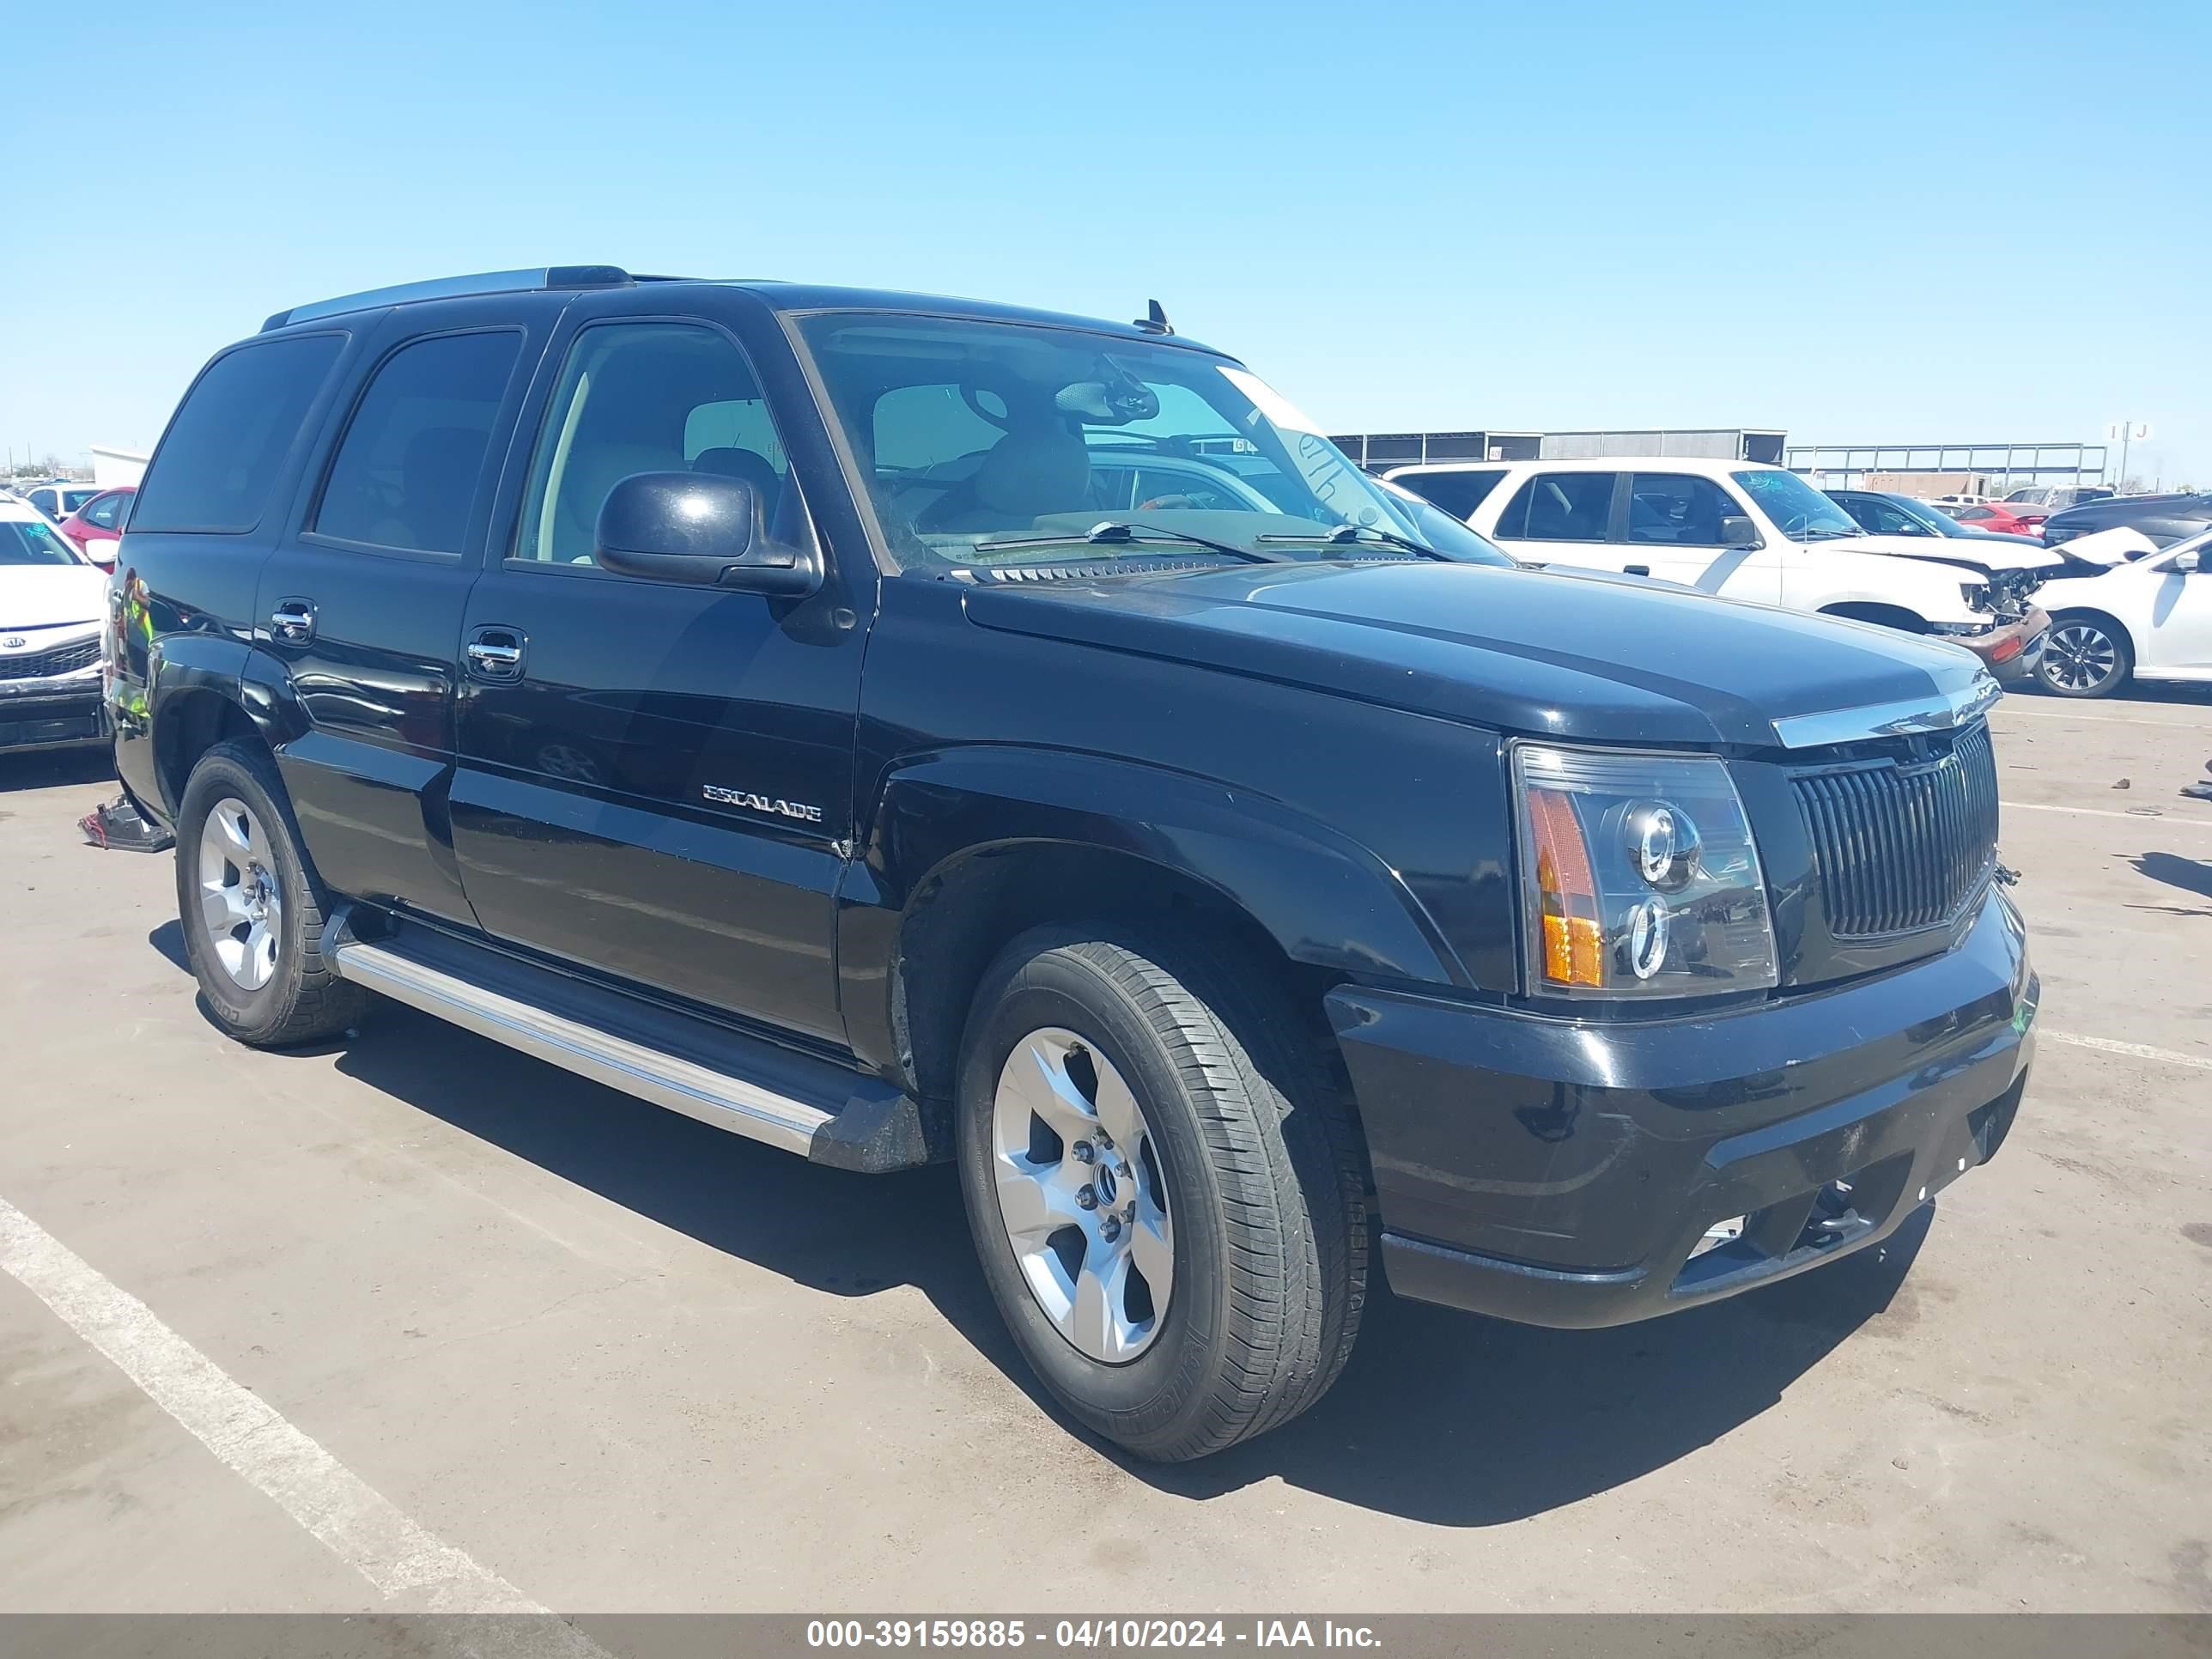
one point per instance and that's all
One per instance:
(225, 445)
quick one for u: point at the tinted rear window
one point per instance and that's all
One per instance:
(406, 471)
(1458, 493)
(223, 450)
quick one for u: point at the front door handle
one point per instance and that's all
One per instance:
(495, 653)
(293, 621)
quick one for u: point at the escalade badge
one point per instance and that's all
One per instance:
(745, 798)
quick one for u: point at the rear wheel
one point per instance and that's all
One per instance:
(251, 913)
(2085, 656)
(1165, 1188)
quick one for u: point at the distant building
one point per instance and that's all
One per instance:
(1378, 452)
(114, 468)
(1977, 469)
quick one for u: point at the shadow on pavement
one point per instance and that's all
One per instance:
(53, 769)
(2190, 875)
(1441, 1417)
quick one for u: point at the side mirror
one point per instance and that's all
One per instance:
(698, 527)
(1737, 530)
(2189, 563)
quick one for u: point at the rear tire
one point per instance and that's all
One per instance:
(1240, 1171)
(253, 912)
(2085, 656)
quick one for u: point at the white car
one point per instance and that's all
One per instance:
(59, 500)
(1747, 531)
(51, 601)
(2150, 617)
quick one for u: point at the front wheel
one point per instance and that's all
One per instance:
(2085, 657)
(1165, 1188)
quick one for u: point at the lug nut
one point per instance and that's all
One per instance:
(1085, 1153)
(1110, 1228)
(1088, 1198)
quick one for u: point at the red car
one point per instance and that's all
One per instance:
(98, 525)
(2004, 521)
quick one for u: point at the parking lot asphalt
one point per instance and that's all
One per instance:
(422, 1323)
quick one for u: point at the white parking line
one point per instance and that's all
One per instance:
(352, 1520)
(2139, 1050)
(2100, 812)
(2185, 724)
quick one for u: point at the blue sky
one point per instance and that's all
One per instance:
(1879, 222)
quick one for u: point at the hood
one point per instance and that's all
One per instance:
(48, 595)
(1986, 553)
(1548, 653)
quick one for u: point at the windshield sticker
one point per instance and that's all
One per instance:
(1335, 480)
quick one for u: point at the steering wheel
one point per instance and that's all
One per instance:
(972, 396)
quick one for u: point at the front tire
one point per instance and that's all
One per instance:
(1166, 1189)
(2085, 656)
(252, 912)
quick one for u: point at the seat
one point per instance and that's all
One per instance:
(1030, 471)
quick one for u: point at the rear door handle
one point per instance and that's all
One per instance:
(495, 653)
(293, 621)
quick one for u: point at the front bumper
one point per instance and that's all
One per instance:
(1562, 1172)
(2012, 652)
(60, 711)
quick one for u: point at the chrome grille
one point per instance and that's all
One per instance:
(45, 665)
(1902, 844)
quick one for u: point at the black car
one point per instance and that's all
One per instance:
(729, 692)
(2165, 519)
(1879, 512)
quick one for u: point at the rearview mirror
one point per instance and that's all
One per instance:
(1737, 530)
(698, 527)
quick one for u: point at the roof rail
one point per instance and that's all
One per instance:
(449, 287)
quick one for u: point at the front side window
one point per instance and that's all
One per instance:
(1458, 493)
(982, 442)
(1887, 517)
(405, 473)
(103, 510)
(1797, 509)
(228, 441)
(30, 541)
(1677, 509)
(643, 398)
(1560, 506)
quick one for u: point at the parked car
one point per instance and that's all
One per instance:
(1957, 499)
(1209, 884)
(2151, 618)
(1998, 519)
(2162, 520)
(2057, 497)
(58, 498)
(52, 601)
(1882, 512)
(1748, 532)
(97, 526)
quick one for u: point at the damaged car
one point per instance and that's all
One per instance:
(1763, 533)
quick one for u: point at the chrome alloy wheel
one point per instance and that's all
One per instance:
(2078, 656)
(241, 904)
(1080, 1195)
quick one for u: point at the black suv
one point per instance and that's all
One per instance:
(735, 692)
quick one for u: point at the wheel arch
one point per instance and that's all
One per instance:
(205, 691)
(970, 849)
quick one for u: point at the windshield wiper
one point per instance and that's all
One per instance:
(1825, 534)
(1345, 534)
(1111, 532)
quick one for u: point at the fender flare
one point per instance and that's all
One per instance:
(1324, 899)
(182, 666)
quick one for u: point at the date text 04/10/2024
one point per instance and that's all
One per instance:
(1086, 1634)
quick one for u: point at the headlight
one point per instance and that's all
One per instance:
(1639, 875)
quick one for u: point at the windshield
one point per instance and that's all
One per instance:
(23, 541)
(1799, 511)
(988, 443)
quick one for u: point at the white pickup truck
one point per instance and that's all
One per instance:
(1747, 531)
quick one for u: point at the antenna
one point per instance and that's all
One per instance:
(1155, 320)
